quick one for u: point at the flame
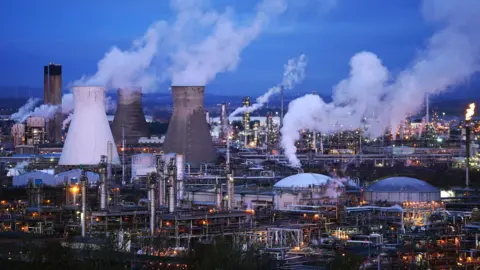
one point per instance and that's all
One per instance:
(470, 112)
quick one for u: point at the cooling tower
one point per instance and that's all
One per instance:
(188, 132)
(89, 131)
(130, 115)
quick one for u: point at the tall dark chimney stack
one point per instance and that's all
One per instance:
(55, 98)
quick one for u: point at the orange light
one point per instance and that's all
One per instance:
(74, 189)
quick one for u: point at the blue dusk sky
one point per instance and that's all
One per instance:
(77, 34)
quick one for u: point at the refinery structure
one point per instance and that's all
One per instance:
(211, 175)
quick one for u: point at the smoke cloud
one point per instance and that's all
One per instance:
(67, 121)
(293, 74)
(197, 63)
(130, 67)
(373, 99)
(25, 111)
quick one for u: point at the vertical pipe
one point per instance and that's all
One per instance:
(152, 208)
(179, 183)
(218, 193)
(123, 155)
(427, 113)
(103, 189)
(171, 173)
(84, 203)
(109, 161)
(230, 190)
(161, 181)
(467, 152)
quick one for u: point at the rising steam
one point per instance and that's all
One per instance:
(372, 99)
(293, 74)
(197, 63)
(25, 111)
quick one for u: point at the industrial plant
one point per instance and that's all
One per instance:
(211, 177)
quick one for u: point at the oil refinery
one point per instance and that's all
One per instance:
(226, 176)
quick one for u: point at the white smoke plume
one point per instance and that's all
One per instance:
(45, 111)
(24, 112)
(130, 67)
(67, 121)
(293, 74)
(68, 103)
(18, 169)
(372, 99)
(197, 63)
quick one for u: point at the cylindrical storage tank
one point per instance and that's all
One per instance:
(140, 162)
(18, 129)
(401, 189)
(36, 122)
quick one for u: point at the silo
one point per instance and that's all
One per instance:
(89, 132)
(130, 115)
(188, 132)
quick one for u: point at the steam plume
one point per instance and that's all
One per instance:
(198, 63)
(130, 67)
(371, 99)
(25, 111)
(294, 73)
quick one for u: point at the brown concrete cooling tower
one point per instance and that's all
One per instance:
(130, 115)
(188, 132)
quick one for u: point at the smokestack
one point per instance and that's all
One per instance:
(89, 131)
(130, 115)
(188, 132)
(55, 98)
(46, 90)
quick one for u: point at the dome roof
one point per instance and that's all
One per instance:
(304, 180)
(405, 184)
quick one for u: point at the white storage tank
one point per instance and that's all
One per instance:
(401, 189)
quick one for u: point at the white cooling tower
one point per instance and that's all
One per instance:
(89, 131)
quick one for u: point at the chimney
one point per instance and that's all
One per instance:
(130, 115)
(188, 132)
(172, 185)
(55, 98)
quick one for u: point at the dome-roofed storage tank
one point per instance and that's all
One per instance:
(130, 115)
(89, 131)
(401, 189)
(188, 132)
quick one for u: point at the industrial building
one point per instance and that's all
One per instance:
(52, 95)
